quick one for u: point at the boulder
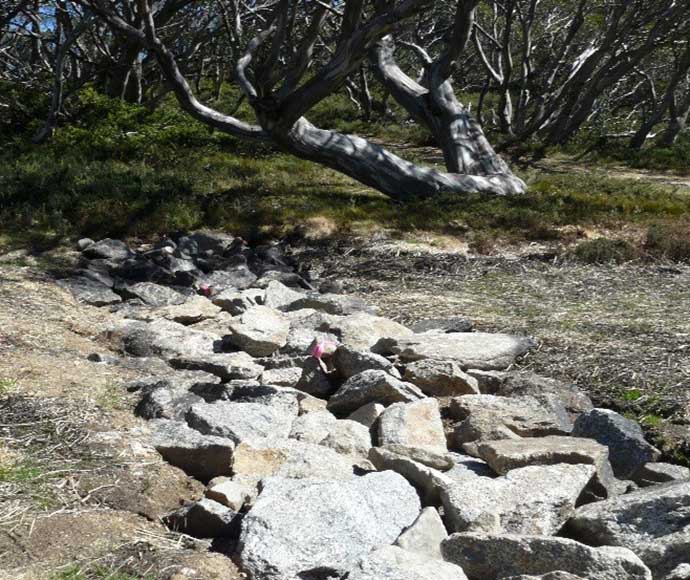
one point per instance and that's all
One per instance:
(202, 242)
(322, 428)
(240, 422)
(470, 350)
(300, 527)
(681, 572)
(193, 310)
(491, 557)
(283, 377)
(203, 457)
(314, 380)
(293, 459)
(425, 535)
(237, 302)
(349, 362)
(239, 278)
(535, 500)
(204, 519)
(368, 414)
(653, 522)
(504, 455)
(260, 331)
(280, 297)
(232, 494)
(108, 249)
(438, 378)
(488, 417)
(424, 455)
(153, 294)
(88, 291)
(395, 563)
(226, 365)
(416, 424)
(372, 386)
(628, 450)
(161, 338)
(362, 330)
(655, 473)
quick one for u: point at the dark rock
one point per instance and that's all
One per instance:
(90, 292)
(108, 249)
(153, 294)
(628, 450)
(239, 278)
(204, 519)
(446, 325)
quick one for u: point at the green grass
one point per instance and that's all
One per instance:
(76, 572)
(21, 473)
(7, 386)
(122, 170)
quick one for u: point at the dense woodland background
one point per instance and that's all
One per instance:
(93, 140)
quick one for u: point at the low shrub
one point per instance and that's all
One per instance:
(605, 251)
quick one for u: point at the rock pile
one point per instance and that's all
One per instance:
(337, 444)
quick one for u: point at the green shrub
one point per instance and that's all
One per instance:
(604, 251)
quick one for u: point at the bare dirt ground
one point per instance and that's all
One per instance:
(81, 493)
(620, 332)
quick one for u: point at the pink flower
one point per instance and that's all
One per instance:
(323, 348)
(318, 350)
(205, 290)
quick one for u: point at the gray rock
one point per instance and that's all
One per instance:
(238, 301)
(232, 494)
(241, 422)
(628, 450)
(416, 424)
(88, 291)
(260, 331)
(204, 519)
(84, 243)
(681, 572)
(491, 557)
(507, 454)
(372, 386)
(349, 362)
(301, 526)
(425, 456)
(368, 414)
(535, 500)
(154, 294)
(425, 535)
(362, 330)
(487, 417)
(203, 457)
(108, 249)
(395, 563)
(428, 482)
(239, 278)
(441, 378)
(549, 391)
(655, 473)
(337, 304)
(313, 427)
(161, 338)
(476, 350)
(295, 460)
(653, 522)
(314, 380)
(550, 576)
(291, 279)
(227, 366)
(466, 463)
(284, 377)
(280, 297)
(322, 428)
(201, 242)
(192, 311)
(172, 402)
(283, 399)
(447, 325)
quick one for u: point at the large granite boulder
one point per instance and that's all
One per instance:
(298, 527)
(260, 331)
(416, 424)
(395, 563)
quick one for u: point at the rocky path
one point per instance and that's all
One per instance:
(332, 442)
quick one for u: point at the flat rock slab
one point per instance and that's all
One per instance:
(395, 563)
(241, 422)
(302, 526)
(372, 387)
(416, 424)
(153, 294)
(362, 330)
(227, 366)
(628, 450)
(534, 500)
(653, 522)
(89, 291)
(440, 378)
(492, 557)
(425, 535)
(488, 417)
(260, 331)
(472, 350)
